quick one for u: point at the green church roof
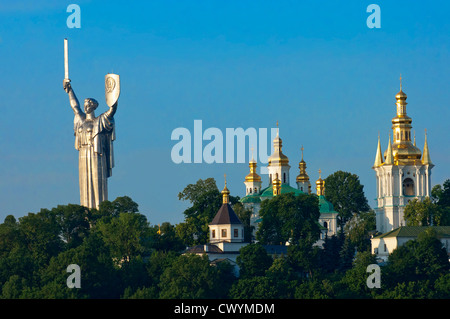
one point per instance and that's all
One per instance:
(285, 189)
(253, 198)
(325, 206)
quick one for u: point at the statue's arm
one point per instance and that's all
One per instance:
(74, 104)
(112, 110)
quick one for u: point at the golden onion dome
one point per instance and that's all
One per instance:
(401, 95)
(278, 157)
(303, 176)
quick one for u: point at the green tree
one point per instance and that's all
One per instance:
(314, 289)
(126, 235)
(99, 278)
(284, 277)
(410, 290)
(417, 260)
(206, 200)
(304, 257)
(191, 277)
(40, 235)
(108, 209)
(345, 192)
(358, 229)
(164, 237)
(73, 221)
(253, 260)
(440, 195)
(422, 213)
(290, 218)
(355, 278)
(329, 256)
(259, 287)
(157, 263)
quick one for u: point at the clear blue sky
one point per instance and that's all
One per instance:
(314, 66)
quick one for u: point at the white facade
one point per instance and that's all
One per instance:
(231, 233)
(397, 185)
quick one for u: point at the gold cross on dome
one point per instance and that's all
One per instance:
(400, 81)
(320, 173)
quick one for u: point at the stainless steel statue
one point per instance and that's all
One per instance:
(94, 138)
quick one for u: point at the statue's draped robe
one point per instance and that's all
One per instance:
(94, 142)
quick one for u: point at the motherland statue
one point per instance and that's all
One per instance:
(94, 138)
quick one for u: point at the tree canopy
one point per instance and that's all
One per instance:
(346, 193)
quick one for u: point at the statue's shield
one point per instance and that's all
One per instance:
(112, 88)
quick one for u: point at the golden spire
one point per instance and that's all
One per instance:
(378, 157)
(253, 176)
(320, 185)
(276, 186)
(278, 158)
(303, 176)
(389, 155)
(226, 192)
(426, 160)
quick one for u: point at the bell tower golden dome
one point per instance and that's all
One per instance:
(403, 150)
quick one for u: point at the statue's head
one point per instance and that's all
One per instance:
(90, 105)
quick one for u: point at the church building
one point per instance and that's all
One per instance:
(403, 171)
(279, 183)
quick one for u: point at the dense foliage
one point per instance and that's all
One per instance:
(121, 255)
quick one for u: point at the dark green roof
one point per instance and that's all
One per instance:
(285, 189)
(414, 231)
(325, 206)
(253, 198)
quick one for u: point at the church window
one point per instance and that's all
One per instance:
(224, 233)
(255, 190)
(213, 233)
(408, 187)
(284, 177)
(385, 248)
(236, 232)
(250, 190)
(325, 224)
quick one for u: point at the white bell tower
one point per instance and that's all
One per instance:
(403, 173)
